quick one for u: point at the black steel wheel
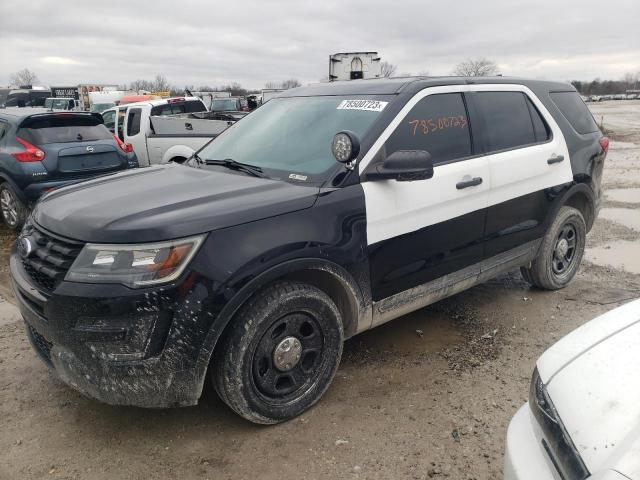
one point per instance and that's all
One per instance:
(288, 356)
(565, 249)
(280, 353)
(560, 252)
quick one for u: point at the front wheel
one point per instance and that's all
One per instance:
(280, 354)
(560, 253)
(14, 211)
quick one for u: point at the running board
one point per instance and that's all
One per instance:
(418, 297)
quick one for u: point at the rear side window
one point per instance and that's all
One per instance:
(179, 107)
(133, 121)
(3, 130)
(63, 128)
(575, 111)
(437, 124)
(507, 119)
(541, 130)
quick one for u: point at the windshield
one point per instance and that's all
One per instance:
(58, 103)
(221, 104)
(101, 107)
(294, 135)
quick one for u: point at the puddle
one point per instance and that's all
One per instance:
(621, 255)
(418, 332)
(628, 217)
(625, 195)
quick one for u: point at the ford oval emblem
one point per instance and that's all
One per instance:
(25, 247)
(90, 149)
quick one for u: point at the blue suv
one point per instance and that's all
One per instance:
(42, 150)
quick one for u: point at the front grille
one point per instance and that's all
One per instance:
(42, 345)
(50, 257)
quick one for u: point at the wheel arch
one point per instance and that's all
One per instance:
(582, 198)
(177, 151)
(329, 277)
(5, 178)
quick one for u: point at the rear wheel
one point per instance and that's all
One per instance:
(14, 211)
(281, 353)
(561, 251)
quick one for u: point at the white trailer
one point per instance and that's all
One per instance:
(354, 66)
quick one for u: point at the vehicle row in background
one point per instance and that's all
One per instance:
(41, 150)
(167, 130)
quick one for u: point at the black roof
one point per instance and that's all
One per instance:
(387, 86)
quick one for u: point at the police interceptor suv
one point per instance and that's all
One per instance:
(328, 211)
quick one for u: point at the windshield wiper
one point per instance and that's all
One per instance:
(197, 158)
(233, 165)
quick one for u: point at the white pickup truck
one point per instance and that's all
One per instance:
(166, 130)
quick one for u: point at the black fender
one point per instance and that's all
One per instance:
(353, 299)
(577, 195)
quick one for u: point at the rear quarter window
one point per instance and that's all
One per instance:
(575, 111)
(63, 129)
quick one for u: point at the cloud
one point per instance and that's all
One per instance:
(60, 61)
(200, 42)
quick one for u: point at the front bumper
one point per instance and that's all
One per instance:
(118, 345)
(525, 458)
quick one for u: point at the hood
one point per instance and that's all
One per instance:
(592, 377)
(165, 202)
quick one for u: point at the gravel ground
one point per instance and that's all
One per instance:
(427, 396)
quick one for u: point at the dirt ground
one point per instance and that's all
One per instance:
(429, 395)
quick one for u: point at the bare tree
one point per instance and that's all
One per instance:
(24, 77)
(291, 83)
(286, 84)
(481, 67)
(160, 83)
(387, 69)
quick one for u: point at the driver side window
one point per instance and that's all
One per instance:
(438, 124)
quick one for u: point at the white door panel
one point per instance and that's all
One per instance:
(395, 208)
(519, 172)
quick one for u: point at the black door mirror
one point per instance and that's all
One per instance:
(404, 166)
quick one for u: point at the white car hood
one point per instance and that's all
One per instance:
(593, 378)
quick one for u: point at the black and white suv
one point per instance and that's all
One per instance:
(251, 263)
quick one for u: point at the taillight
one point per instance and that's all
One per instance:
(125, 147)
(604, 143)
(30, 154)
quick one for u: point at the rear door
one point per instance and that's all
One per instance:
(527, 158)
(419, 231)
(136, 128)
(74, 144)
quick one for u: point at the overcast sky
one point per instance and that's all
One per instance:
(252, 42)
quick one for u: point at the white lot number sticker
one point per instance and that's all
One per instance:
(367, 105)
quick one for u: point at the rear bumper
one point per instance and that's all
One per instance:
(525, 458)
(138, 349)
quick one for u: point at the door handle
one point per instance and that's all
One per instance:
(555, 159)
(469, 183)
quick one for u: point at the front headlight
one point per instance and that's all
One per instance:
(136, 265)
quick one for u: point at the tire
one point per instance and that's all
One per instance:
(179, 160)
(560, 253)
(249, 374)
(14, 211)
